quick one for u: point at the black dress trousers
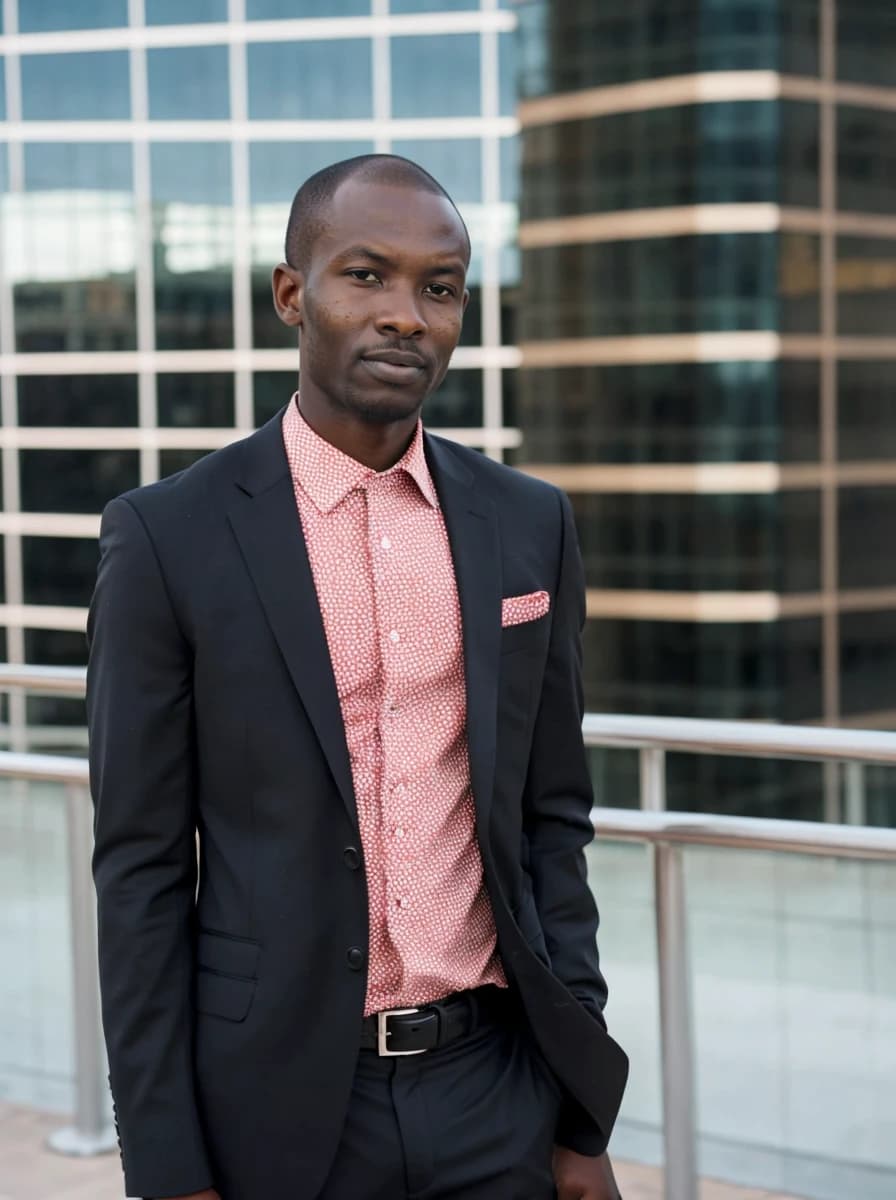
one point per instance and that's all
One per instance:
(474, 1120)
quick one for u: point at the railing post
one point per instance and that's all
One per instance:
(653, 779)
(676, 1025)
(91, 1132)
(856, 806)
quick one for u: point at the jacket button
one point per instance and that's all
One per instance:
(355, 958)
(351, 857)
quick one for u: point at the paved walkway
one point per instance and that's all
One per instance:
(28, 1171)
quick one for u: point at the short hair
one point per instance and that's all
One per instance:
(308, 214)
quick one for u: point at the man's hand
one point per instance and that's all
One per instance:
(581, 1177)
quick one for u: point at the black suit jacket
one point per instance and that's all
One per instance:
(232, 1012)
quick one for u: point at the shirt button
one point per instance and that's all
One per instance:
(386, 543)
(394, 635)
(402, 902)
(355, 958)
(399, 832)
(351, 857)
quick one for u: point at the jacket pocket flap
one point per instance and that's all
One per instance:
(223, 995)
(233, 956)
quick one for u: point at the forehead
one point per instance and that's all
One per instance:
(398, 218)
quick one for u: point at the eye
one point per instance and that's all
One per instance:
(363, 275)
(440, 290)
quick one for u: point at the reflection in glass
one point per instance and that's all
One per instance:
(271, 391)
(866, 285)
(866, 159)
(93, 85)
(77, 400)
(866, 409)
(172, 461)
(184, 12)
(455, 162)
(694, 542)
(189, 83)
(192, 245)
(866, 519)
(71, 253)
(670, 412)
(276, 171)
(457, 403)
(725, 153)
(59, 570)
(39, 16)
(868, 662)
(435, 76)
(302, 81)
(732, 671)
(75, 481)
(200, 398)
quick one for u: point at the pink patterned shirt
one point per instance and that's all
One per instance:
(385, 583)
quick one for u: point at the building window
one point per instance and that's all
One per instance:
(436, 76)
(190, 83)
(93, 85)
(310, 81)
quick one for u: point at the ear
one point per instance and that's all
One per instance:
(288, 285)
(465, 300)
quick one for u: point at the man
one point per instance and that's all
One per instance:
(346, 654)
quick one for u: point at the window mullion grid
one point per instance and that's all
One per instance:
(380, 49)
(492, 400)
(241, 223)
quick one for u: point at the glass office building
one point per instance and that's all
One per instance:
(707, 324)
(149, 151)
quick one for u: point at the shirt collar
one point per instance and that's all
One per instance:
(328, 475)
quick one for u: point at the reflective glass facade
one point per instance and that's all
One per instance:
(707, 315)
(146, 173)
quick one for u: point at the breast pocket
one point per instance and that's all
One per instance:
(226, 975)
(528, 635)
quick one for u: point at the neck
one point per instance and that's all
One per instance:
(378, 446)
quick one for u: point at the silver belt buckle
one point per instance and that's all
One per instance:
(383, 1032)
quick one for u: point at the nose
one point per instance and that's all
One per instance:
(400, 315)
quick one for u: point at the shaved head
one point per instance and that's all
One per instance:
(308, 215)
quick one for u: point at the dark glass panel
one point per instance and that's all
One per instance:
(661, 285)
(75, 234)
(184, 12)
(866, 408)
(77, 400)
(188, 83)
(59, 570)
(510, 169)
(867, 518)
(457, 403)
(579, 44)
(726, 153)
(93, 85)
(735, 671)
(2, 576)
(866, 41)
(866, 157)
(271, 391)
(436, 76)
(866, 281)
(196, 399)
(328, 81)
(192, 245)
(700, 542)
(75, 481)
(43, 16)
(455, 162)
(57, 648)
(799, 286)
(172, 461)
(276, 172)
(272, 10)
(670, 412)
(867, 662)
(471, 330)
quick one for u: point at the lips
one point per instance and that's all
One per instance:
(394, 366)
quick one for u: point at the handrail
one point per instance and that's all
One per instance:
(44, 681)
(753, 739)
(43, 768)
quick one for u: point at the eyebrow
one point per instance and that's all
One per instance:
(453, 267)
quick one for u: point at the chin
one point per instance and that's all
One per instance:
(384, 408)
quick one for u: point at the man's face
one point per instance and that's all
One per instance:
(381, 303)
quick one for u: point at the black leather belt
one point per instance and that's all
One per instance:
(397, 1031)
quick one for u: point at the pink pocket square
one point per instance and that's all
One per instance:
(516, 610)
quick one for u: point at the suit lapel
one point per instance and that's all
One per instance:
(472, 526)
(266, 523)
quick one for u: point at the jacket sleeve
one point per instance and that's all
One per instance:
(139, 703)
(557, 815)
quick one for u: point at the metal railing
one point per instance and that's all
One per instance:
(667, 833)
